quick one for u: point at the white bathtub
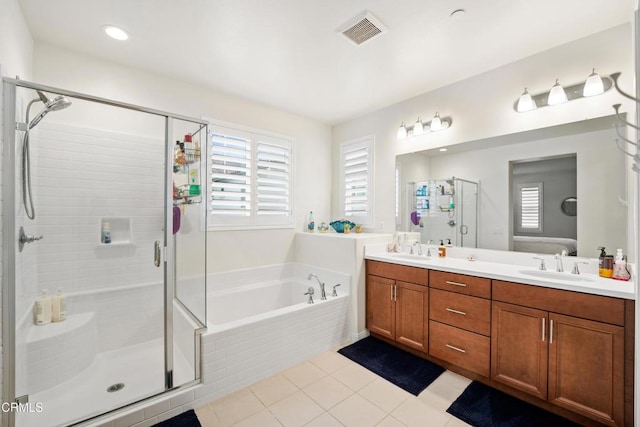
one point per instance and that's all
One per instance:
(259, 323)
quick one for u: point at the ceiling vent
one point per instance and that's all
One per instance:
(362, 28)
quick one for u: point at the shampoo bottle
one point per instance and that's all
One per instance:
(106, 233)
(58, 307)
(42, 309)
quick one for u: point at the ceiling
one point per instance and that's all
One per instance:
(287, 54)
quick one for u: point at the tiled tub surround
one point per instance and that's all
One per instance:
(237, 351)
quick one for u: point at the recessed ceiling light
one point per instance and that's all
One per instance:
(116, 33)
(442, 149)
(457, 14)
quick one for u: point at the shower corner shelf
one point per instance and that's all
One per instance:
(121, 231)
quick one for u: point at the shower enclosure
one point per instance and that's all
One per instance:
(91, 209)
(444, 209)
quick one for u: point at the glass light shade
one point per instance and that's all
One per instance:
(526, 102)
(557, 95)
(402, 132)
(436, 123)
(418, 128)
(593, 85)
(115, 32)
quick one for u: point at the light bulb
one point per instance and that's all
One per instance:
(526, 102)
(557, 95)
(436, 123)
(116, 33)
(402, 132)
(418, 128)
(593, 85)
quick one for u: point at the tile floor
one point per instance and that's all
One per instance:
(331, 390)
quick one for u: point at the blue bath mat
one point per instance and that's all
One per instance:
(186, 419)
(403, 369)
(483, 406)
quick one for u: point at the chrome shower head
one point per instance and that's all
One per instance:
(58, 103)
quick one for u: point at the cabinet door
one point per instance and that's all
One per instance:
(412, 310)
(519, 349)
(586, 367)
(380, 306)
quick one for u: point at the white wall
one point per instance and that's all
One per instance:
(226, 250)
(482, 107)
(16, 43)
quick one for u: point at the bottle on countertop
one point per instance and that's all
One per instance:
(449, 244)
(442, 250)
(620, 268)
(605, 263)
(42, 309)
(58, 307)
(311, 225)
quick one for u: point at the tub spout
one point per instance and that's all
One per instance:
(323, 295)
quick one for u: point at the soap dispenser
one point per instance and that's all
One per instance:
(442, 250)
(620, 270)
(605, 263)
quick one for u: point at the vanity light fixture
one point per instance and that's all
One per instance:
(557, 95)
(116, 33)
(436, 124)
(594, 85)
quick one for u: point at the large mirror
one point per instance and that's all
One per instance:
(565, 187)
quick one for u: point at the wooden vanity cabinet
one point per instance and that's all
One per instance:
(554, 351)
(398, 303)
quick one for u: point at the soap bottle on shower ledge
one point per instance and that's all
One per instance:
(311, 225)
(106, 233)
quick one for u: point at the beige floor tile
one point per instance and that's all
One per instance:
(325, 420)
(263, 418)
(415, 413)
(328, 392)
(356, 411)
(354, 376)
(384, 395)
(207, 417)
(304, 374)
(390, 422)
(452, 380)
(436, 400)
(236, 407)
(272, 389)
(455, 422)
(296, 410)
(330, 361)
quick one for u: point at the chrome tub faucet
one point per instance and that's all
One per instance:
(323, 295)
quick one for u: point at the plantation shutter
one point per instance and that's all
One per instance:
(357, 174)
(273, 179)
(231, 174)
(531, 207)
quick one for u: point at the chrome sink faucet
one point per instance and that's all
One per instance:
(416, 244)
(542, 267)
(323, 295)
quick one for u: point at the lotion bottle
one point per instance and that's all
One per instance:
(42, 309)
(620, 270)
(58, 307)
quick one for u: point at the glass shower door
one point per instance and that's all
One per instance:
(99, 180)
(467, 213)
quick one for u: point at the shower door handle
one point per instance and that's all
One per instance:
(157, 254)
(464, 229)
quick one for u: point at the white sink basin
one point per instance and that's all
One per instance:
(411, 257)
(557, 276)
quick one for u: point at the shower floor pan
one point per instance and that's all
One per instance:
(139, 367)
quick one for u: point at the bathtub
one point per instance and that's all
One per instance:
(259, 323)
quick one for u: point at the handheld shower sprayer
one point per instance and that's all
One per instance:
(60, 102)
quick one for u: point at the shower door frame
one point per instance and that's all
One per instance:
(10, 236)
(461, 204)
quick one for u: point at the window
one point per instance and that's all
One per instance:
(356, 165)
(530, 208)
(250, 179)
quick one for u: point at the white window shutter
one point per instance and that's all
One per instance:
(273, 192)
(530, 207)
(357, 180)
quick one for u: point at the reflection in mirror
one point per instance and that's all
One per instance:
(602, 191)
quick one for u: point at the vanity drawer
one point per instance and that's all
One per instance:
(461, 348)
(398, 272)
(460, 283)
(462, 311)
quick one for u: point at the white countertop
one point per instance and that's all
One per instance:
(512, 269)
